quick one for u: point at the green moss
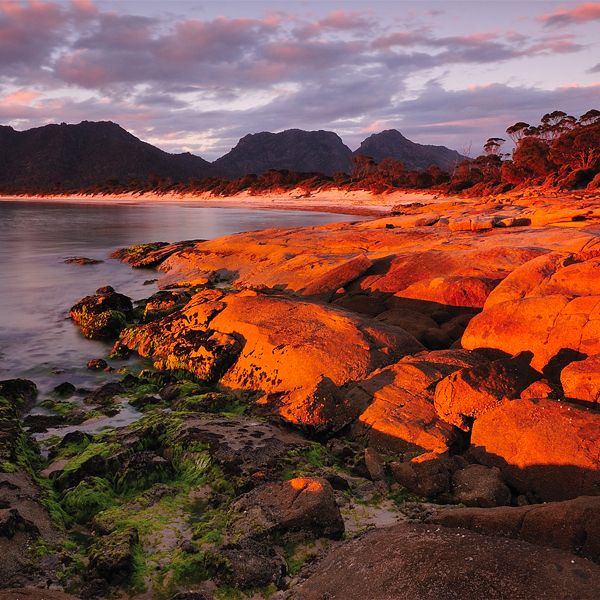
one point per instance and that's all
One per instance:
(60, 407)
(88, 498)
(99, 325)
(307, 460)
(104, 449)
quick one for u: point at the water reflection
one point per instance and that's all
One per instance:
(37, 341)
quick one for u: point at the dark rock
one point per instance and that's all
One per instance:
(253, 564)
(305, 506)
(430, 562)
(97, 364)
(64, 390)
(374, 464)
(572, 525)
(111, 556)
(40, 423)
(105, 393)
(81, 260)
(141, 470)
(21, 393)
(477, 485)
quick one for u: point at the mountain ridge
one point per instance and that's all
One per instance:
(70, 156)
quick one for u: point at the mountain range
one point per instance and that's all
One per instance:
(89, 153)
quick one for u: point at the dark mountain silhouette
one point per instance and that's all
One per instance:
(392, 144)
(72, 156)
(294, 149)
(93, 155)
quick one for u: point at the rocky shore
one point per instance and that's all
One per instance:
(404, 407)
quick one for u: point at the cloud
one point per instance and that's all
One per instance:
(582, 13)
(594, 69)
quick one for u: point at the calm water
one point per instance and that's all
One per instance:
(37, 340)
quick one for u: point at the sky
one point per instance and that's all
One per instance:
(198, 75)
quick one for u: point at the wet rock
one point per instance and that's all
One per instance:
(111, 556)
(421, 562)
(468, 393)
(545, 447)
(102, 315)
(105, 393)
(21, 393)
(305, 506)
(64, 390)
(141, 470)
(477, 485)
(81, 260)
(151, 254)
(97, 364)
(39, 423)
(572, 525)
(581, 380)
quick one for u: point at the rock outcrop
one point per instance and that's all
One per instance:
(544, 447)
(419, 562)
(572, 525)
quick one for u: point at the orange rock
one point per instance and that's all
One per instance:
(469, 393)
(581, 380)
(550, 304)
(546, 447)
(399, 414)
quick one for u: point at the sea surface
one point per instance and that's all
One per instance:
(37, 339)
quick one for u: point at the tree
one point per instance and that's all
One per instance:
(531, 157)
(493, 146)
(362, 167)
(578, 148)
(518, 131)
(590, 117)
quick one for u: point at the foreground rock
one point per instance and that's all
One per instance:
(573, 525)
(545, 447)
(419, 562)
(296, 353)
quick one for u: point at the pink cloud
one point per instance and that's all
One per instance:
(582, 13)
(19, 97)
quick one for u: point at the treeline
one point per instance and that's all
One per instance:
(561, 152)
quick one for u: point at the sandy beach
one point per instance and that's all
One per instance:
(335, 201)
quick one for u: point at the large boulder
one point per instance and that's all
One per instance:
(398, 413)
(304, 506)
(581, 380)
(468, 393)
(549, 306)
(542, 446)
(419, 562)
(572, 525)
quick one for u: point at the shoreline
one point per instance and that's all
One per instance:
(360, 203)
